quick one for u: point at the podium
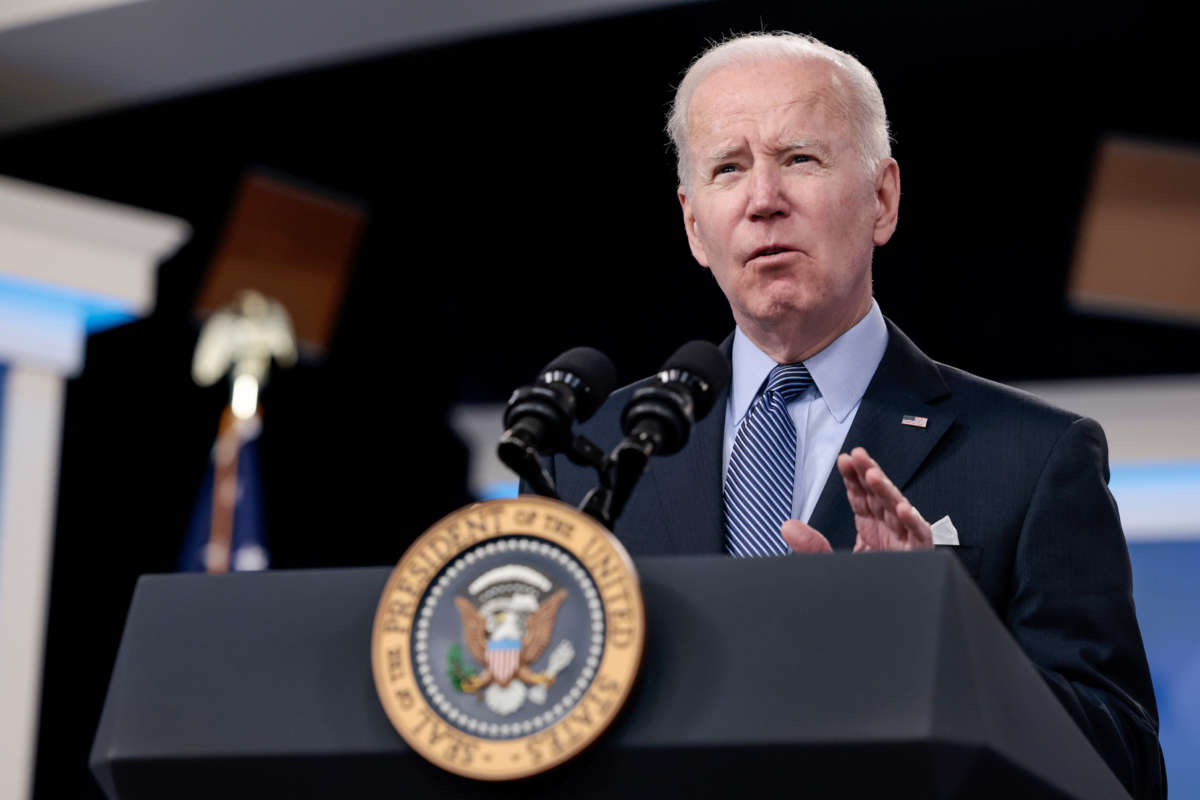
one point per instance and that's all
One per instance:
(875, 675)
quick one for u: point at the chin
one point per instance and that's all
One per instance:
(787, 306)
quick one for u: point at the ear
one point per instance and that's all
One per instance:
(690, 227)
(887, 200)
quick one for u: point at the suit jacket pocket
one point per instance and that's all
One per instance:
(969, 556)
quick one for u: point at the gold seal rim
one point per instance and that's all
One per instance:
(461, 752)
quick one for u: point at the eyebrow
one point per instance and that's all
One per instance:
(724, 153)
(801, 144)
(729, 151)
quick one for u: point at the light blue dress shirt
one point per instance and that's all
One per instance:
(824, 413)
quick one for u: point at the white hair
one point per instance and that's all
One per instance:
(864, 101)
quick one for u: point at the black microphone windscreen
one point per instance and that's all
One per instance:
(705, 361)
(594, 369)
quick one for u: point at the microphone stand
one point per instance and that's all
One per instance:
(522, 458)
(619, 474)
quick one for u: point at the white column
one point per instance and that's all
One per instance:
(29, 446)
(66, 261)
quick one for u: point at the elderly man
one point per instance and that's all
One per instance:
(836, 428)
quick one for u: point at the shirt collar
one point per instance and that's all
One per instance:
(841, 371)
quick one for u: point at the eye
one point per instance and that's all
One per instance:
(801, 158)
(725, 169)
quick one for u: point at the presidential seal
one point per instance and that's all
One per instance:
(508, 637)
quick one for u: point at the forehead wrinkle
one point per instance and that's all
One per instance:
(722, 152)
(775, 117)
(786, 132)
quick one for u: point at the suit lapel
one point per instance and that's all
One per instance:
(689, 488)
(907, 382)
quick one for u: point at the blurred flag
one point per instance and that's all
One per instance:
(227, 531)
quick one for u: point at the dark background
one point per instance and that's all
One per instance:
(522, 201)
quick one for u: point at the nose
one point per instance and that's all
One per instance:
(767, 197)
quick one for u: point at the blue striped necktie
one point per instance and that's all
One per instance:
(762, 468)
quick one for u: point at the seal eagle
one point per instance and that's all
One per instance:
(506, 652)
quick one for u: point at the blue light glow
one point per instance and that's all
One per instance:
(97, 312)
(1154, 473)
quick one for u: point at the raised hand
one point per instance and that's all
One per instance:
(884, 519)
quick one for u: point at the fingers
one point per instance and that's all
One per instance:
(920, 533)
(883, 516)
(856, 490)
(885, 501)
(804, 538)
(857, 494)
(868, 488)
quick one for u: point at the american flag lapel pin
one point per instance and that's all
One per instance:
(916, 422)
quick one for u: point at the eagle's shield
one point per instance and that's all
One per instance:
(503, 658)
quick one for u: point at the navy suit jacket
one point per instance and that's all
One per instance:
(1026, 485)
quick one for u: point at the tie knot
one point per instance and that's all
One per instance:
(789, 381)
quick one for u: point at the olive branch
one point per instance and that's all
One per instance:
(456, 670)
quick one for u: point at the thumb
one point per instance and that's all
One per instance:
(804, 538)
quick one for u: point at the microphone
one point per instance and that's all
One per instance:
(659, 417)
(539, 416)
(658, 420)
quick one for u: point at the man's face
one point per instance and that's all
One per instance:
(779, 204)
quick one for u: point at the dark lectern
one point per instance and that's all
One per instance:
(880, 675)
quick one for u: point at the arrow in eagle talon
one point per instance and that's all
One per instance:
(560, 657)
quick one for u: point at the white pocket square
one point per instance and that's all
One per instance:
(944, 532)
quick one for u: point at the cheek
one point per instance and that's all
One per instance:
(707, 248)
(848, 225)
(714, 222)
(859, 209)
